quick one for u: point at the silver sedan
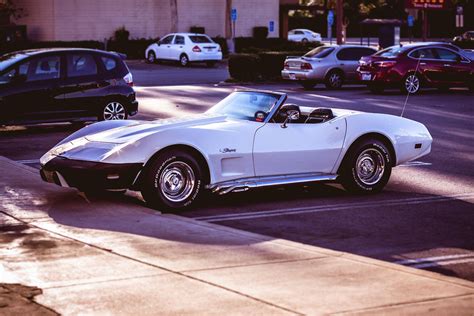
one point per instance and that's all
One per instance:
(332, 65)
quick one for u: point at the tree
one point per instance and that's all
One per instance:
(8, 10)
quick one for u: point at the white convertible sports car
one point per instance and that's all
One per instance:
(249, 139)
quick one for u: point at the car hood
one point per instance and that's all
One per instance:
(140, 129)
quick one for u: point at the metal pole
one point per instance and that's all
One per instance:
(339, 19)
(424, 31)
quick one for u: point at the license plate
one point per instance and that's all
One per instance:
(292, 76)
(366, 77)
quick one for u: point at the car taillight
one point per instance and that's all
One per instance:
(128, 79)
(306, 66)
(384, 64)
(196, 49)
(286, 65)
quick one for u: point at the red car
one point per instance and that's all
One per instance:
(414, 66)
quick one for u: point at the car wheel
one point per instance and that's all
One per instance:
(304, 40)
(411, 84)
(376, 88)
(334, 80)
(308, 85)
(366, 168)
(210, 64)
(172, 181)
(184, 60)
(113, 110)
(151, 58)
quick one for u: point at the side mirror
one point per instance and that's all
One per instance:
(18, 79)
(289, 112)
(158, 43)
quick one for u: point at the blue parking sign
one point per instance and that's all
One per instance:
(330, 17)
(410, 21)
(233, 14)
(271, 26)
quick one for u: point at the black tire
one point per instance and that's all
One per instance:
(151, 58)
(174, 166)
(366, 168)
(411, 83)
(376, 88)
(184, 60)
(210, 64)
(304, 40)
(113, 110)
(334, 79)
(308, 85)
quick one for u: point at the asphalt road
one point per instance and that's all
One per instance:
(424, 218)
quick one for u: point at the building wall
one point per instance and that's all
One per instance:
(73, 20)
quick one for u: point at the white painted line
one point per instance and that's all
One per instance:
(335, 207)
(415, 164)
(28, 161)
(442, 263)
(432, 259)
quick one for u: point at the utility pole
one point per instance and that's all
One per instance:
(339, 19)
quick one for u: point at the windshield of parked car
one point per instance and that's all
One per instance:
(391, 52)
(245, 105)
(9, 59)
(319, 52)
(200, 39)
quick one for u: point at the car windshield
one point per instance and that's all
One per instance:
(9, 59)
(245, 105)
(319, 52)
(200, 39)
(391, 52)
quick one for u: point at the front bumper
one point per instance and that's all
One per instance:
(89, 175)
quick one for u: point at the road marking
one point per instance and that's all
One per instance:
(430, 262)
(28, 161)
(335, 207)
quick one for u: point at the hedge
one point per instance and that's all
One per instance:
(134, 49)
(244, 67)
(272, 63)
(253, 45)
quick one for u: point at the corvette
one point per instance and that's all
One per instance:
(249, 139)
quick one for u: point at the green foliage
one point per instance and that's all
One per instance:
(260, 32)
(244, 67)
(197, 29)
(121, 34)
(271, 63)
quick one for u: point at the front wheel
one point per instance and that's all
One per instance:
(366, 168)
(151, 58)
(113, 110)
(173, 181)
(183, 60)
(411, 84)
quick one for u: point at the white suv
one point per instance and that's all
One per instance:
(185, 48)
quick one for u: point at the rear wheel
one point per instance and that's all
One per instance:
(172, 181)
(411, 84)
(334, 80)
(366, 168)
(304, 40)
(113, 110)
(151, 58)
(184, 60)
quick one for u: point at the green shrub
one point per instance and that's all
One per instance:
(250, 44)
(260, 32)
(134, 49)
(244, 67)
(271, 63)
(121, 34)
(197, 29)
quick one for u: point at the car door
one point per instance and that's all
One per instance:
(428, 65)
(348, 60)
(298, 148)
(177, 47)
(82, 85)
(164, 47)
(37, 96)
(456, 69)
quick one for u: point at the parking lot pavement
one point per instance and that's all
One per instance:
(116, 257)
(423, 219)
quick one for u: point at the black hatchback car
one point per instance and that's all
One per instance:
(64, 84)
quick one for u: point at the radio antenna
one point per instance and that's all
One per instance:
(408, 92)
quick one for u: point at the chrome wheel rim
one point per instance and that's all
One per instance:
(177, 181)
(151, 57)
(412, 84)
(370, 166)
(184, 60)
(114, 111)
(335, 80)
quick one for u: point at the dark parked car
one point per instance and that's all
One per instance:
(61, 84)
(414, 66)
(465, 40)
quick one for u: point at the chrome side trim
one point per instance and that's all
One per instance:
(245, 184)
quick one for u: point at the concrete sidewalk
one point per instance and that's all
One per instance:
(115, 256)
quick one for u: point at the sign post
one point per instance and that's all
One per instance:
(330, 20)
